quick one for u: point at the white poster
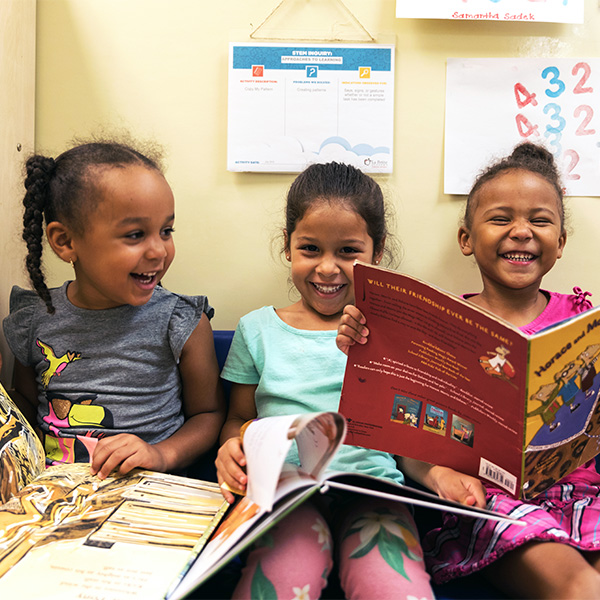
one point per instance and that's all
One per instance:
(297, 104)
(553, 11)
(492, 104)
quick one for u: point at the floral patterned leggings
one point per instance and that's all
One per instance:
(378, 552)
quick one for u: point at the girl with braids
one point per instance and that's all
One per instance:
(115, 369)
(514, 228)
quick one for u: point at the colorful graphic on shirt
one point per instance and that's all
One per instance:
(56, 364)
(64, 413)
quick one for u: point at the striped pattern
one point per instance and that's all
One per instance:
(569, 513)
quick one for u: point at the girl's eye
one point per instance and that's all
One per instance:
(167, 232)
(134, 235)
(349, 250)
(540, 221)
(500, 220)
(309, 248)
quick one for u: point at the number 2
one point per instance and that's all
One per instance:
(579, 89)
(573, 160)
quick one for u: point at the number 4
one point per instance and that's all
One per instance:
(523, 97)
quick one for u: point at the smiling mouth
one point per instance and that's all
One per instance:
(327, 289)
(519, 256)
(145, 277)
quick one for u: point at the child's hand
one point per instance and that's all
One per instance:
(230, 462)
(351, 329)
(125, 451)
(452, 485)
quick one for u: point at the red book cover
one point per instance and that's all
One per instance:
(446, 382)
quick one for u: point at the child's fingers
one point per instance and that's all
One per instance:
(122, 451)
(354, 314)
(230, 462)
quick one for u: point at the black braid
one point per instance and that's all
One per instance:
(39, 171)
(64, 190)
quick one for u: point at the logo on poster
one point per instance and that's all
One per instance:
(375, 164)
(258, 70)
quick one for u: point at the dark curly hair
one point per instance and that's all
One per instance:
(338, 182)
(527, 157)
(64, 189)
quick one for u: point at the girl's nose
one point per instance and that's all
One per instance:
(521, 229)
(328, 267)
(156, 248)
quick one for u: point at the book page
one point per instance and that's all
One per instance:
(21, 453)
(563, 415)
(244, 523)
(268, 441)
(80, 532)
(438, 380)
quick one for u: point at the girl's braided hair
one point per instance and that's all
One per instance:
(64, 189)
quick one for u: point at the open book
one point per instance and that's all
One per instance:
(147, 535)
(67, 534)
(444, 381)
(276, 487)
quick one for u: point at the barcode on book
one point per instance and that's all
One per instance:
(498, 475)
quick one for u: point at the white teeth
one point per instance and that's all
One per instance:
(519, 256)
(328, 289)
(149, 274)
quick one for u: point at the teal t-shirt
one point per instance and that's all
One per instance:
(297, 371)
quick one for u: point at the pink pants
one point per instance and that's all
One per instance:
(378, 555)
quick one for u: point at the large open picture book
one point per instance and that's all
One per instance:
(67, 534)
(444, 381)
(149, 535)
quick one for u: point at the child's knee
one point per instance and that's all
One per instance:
(291, 559)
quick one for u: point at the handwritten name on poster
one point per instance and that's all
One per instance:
(293, 105)
(553, 11)
(492, 104)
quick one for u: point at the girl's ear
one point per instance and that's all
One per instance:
(464, 241)
(61, 241)
(286, 245)
(562, 240)
(378, 254)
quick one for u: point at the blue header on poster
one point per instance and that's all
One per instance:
(299, 57)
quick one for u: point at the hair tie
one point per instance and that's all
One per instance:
(581, 297)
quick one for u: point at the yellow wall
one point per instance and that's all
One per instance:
(159, 68)
(17, 99)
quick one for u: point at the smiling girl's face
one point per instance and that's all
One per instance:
(516, 232)
(126, 246)
(322, 249)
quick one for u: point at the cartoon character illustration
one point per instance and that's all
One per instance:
(547, 396)
(588, 359)
(497, 365)
(568, 388)
(56, 364)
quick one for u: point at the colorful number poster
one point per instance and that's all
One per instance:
(552, 11)
(492, 104)
(293, 105)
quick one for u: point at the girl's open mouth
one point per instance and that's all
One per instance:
(145, 278)
(522, 257)
(328, 289)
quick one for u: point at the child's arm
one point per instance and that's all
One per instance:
(351, 329)
(230, 459)
(445, 482)
(25, 394)
(204, 408)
